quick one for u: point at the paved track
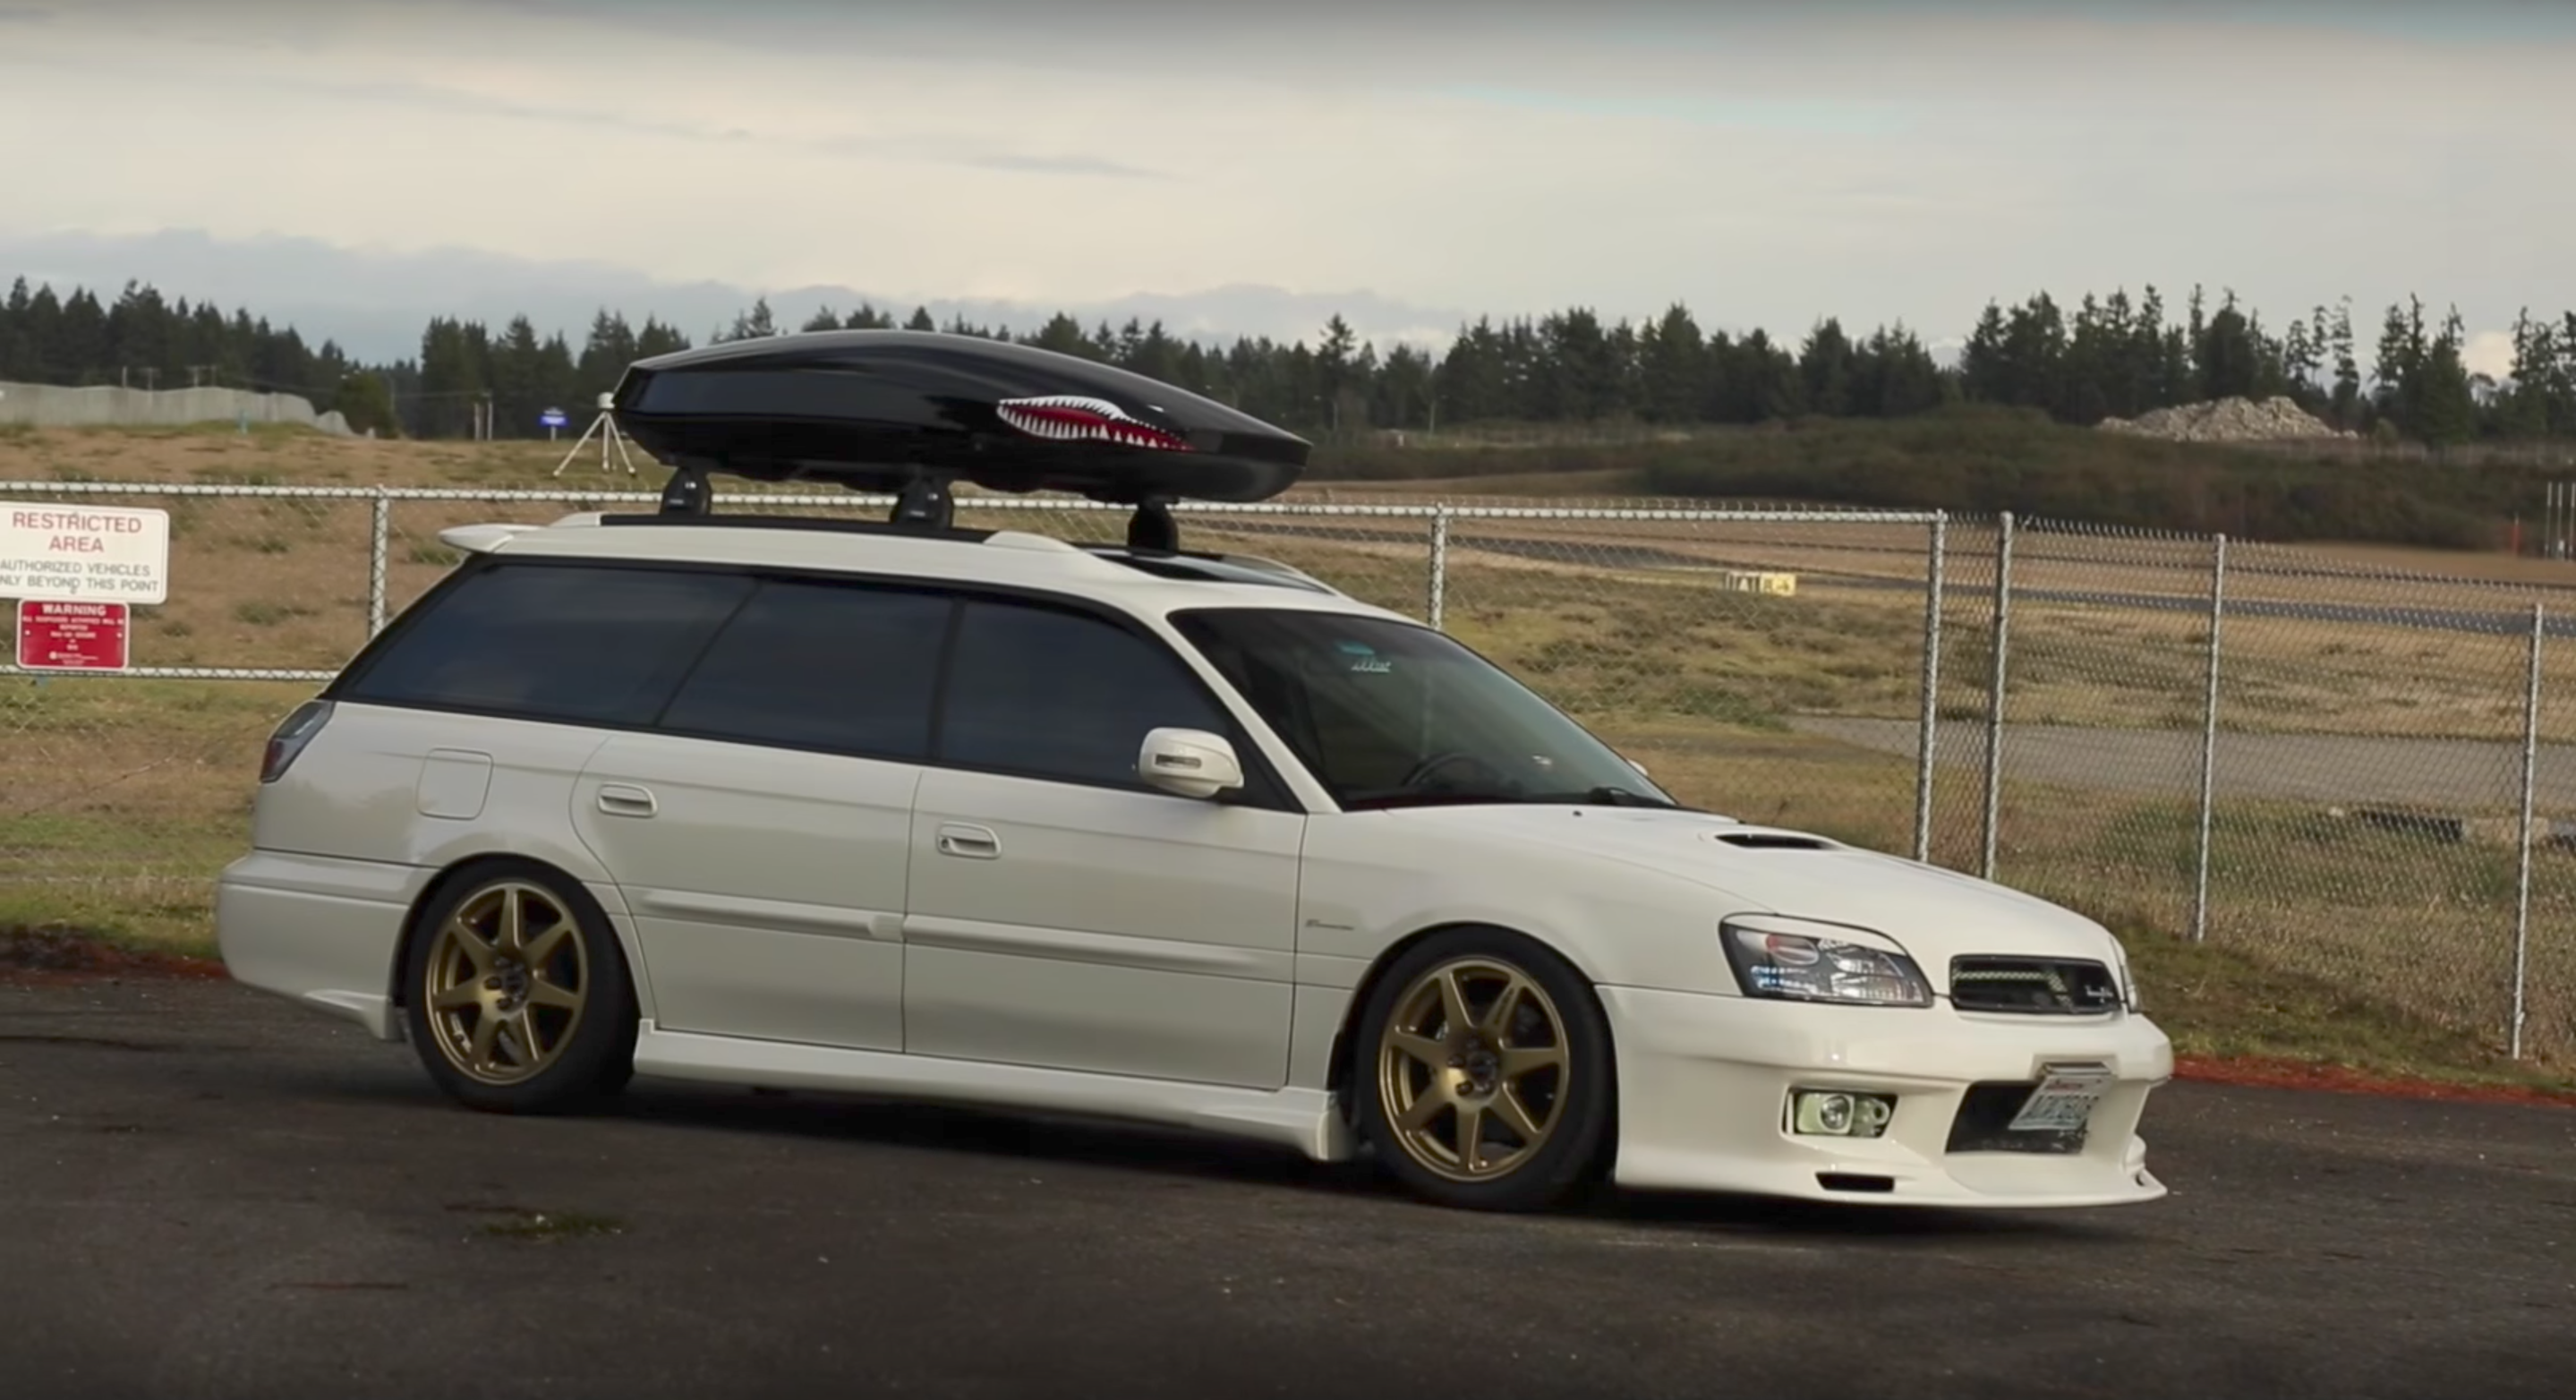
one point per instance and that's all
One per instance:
(2456, 774)
(2512, 617)
(214, 1194)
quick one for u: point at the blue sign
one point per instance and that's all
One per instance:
(552, 418)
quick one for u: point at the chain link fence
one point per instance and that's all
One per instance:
(2364, 777)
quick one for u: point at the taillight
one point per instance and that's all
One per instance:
(291, 737)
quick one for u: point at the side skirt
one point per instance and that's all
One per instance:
(1306, 1120)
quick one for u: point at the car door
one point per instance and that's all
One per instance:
(760, 832)
(1064, 914)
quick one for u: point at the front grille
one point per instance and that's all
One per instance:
(2033, 986)
(1985, 1119)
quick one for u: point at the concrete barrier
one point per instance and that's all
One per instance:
(109, 406)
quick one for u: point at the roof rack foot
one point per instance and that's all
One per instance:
(1152, 530)
(925, 504)
(687, 493)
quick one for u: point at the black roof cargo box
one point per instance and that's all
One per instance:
(879, 411)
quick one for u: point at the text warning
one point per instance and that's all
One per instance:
(54, 635)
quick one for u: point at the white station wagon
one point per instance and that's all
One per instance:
(993, 818)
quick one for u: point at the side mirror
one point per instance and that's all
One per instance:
(1189, 762)
(1641, 768)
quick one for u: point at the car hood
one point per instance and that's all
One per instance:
(1937, 914)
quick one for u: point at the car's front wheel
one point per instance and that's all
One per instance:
(517, 994)
(1484, 1077)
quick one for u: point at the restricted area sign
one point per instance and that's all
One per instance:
(63, 636)
(85, 553)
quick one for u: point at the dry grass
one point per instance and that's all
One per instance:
(119, 800)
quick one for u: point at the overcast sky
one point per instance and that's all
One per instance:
(1764, 164)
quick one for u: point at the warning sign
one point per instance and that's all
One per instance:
(60, 636)
(85, 553)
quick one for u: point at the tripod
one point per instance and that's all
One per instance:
(609, 439)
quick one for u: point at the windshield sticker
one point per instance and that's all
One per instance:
(1365, 660)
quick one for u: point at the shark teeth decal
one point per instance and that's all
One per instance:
(1072, 418)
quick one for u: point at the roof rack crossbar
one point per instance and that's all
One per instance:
(928, 502)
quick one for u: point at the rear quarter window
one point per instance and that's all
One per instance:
(585, 642)
(835, 666)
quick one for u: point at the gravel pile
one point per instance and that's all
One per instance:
(2227, 420)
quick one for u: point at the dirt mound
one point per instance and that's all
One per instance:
(2227, 420)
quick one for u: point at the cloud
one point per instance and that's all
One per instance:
(952, 150)
(374, 302)
(2489, 353)
(1766, 164)
(936, 148)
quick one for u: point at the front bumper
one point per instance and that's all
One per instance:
(1704, 1085)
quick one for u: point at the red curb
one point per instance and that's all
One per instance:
(2270, 1073)
(53, 955)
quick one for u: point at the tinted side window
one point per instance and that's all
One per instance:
(821, 665)
(1061, 695)
(574, 642)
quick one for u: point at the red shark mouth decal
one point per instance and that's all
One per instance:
(1072, 418)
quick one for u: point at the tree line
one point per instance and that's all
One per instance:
(2103, 356)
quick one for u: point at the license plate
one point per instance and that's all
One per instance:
(2063, 1102)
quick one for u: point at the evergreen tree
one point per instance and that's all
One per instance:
(2347, 370)
(1674, 364)
(2077, 360)
(1825, 367)
(2445, 408)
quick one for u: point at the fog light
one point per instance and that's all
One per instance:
(1839, 1113)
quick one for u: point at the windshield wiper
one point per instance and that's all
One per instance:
(1606, 796)
(1621, 797)
(1453, 797)
(1428, 797)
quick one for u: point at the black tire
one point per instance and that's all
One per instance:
(591, 1058)
(1581, 1111)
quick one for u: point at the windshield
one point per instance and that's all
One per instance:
(1389, 714)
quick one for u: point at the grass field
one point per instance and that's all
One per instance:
(1967, 457)
(2328, 936)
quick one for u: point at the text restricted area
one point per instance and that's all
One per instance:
(85, 553)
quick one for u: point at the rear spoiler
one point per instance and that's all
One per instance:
(484, 539)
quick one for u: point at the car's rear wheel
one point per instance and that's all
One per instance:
(517, 994)
(1485, 1078)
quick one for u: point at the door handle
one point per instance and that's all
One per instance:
(623, 800)
(970, 842)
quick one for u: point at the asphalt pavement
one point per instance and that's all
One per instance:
(211, 1193)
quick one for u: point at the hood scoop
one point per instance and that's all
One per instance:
(1772, 841)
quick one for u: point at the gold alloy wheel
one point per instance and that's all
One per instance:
(1472, 1046)
(507, 982)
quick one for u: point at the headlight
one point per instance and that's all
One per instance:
(1794, 960)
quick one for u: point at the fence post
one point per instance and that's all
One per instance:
(1934, 588)
(1439, 581)
(1995, 690)
(2522, 879)
(2209, 744)
(382, 529)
